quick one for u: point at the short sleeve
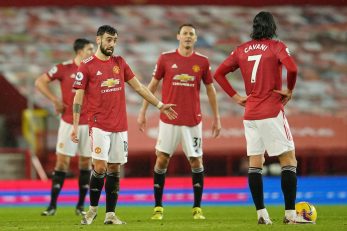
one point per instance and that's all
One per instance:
(282, 51)
(128, 73)
(159, 70)
(232, 61)
(54, 72)
(207, 77)
(82, 77)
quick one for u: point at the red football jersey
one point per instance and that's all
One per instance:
(103, 82)
(65, 73)
(260, 62)
(181, 84)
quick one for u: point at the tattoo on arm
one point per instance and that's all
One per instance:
(77, 108)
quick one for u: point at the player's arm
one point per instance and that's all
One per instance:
(142, 90)
(141, 119)
(41, 83)
(220, 77)
(212, 98)
(291, 79)
(77, 106)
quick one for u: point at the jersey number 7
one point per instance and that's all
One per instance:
(255, 58)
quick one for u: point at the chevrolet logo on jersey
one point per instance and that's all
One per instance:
(110, 82)
(184, 78)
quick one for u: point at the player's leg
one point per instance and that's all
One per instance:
(118, 155)
(58, 178)
(255, 182)
(159, 175)
(83, 183)
(65, 149)
(160, 168)
(192, 147)
(85, 152)
(95, 189)
(167, 142)
(289, 185)
(198, 185)
(255, 152)
(100, 148)
(279, 142)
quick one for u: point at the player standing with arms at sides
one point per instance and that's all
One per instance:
(266, 128)
(101, 79)
(65, 73)
(182, 71)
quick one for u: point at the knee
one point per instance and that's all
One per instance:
(196, 162)
(84, 163)
(292, 162)
(62, 164)
(256, 161)
(162, 161)
(113, 168)
(100, 166)
(288, 159)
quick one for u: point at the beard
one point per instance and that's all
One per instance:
(106, 52)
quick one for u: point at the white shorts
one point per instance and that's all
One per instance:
(111, 147)
(65, 145)
(272, 135)
(171, 135)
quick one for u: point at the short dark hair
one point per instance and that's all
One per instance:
(183, 25)
(106, 29)
(80, 43)
(264, 26)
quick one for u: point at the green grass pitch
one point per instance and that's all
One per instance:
(179, 218)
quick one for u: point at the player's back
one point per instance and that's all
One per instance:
(261, 68)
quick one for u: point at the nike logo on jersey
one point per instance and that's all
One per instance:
(99, 73)
(174, 65)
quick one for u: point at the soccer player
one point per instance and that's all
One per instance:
(101, 78)
(65, 73)
(266, 128)
(182, 71)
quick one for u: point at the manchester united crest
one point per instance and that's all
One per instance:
(196, 68)
(97, 150)
(116, 70)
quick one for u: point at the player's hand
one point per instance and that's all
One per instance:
(141, 121)
(58, 106)
(240, 100)
(74, 134)
(168, 110)
(216, 127)
(286, 95)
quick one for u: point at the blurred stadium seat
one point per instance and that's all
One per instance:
(35, 38)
